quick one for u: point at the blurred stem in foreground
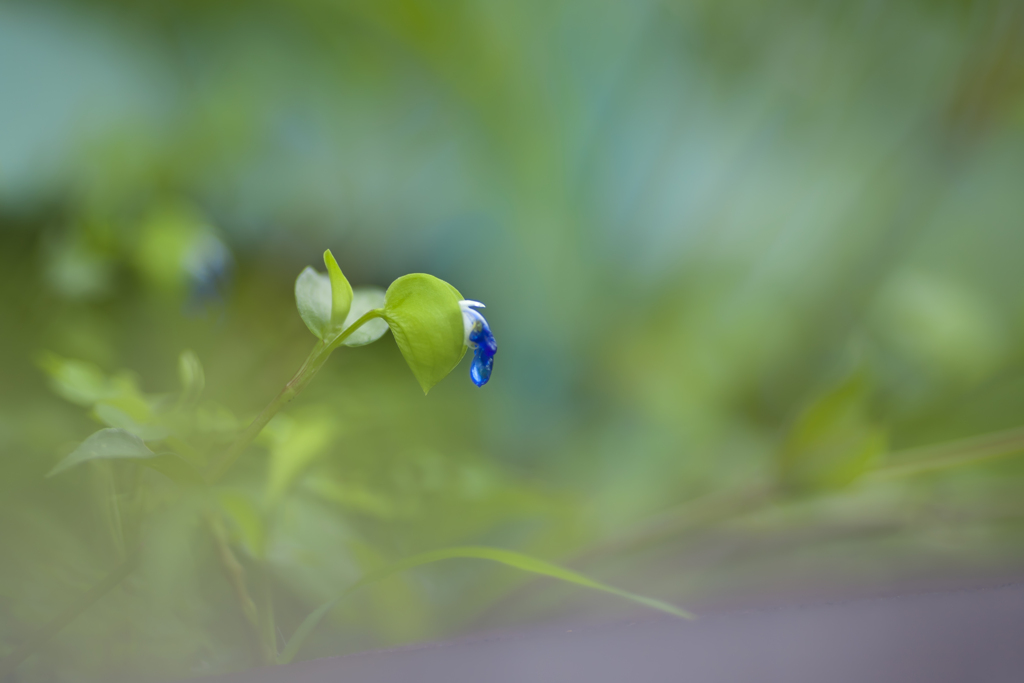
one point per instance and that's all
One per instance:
(970, 451)
(235, 573)
(721, 506)
(264, 617)
(312, 365)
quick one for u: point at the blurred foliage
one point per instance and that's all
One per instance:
(739, 258)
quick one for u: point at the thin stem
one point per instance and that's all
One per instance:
(266, 627)
(700, 512)
(310, 367)
(316, 359)
(953, 454)
(312, 364)
(235, 573)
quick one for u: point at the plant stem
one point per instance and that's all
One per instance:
(316, 359)
(235, 573)
(314, 362)
(953, 454)
(266, 627)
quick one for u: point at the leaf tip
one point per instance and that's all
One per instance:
(330, 261)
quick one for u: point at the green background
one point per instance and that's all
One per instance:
(736, 256)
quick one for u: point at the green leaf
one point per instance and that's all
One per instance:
(301, 442)
(364, 300)
(112, 416)
(313, 299)
(328, 305)
(341, 293)
(424, 316)
(75, 380)
(105, 444)
(192, 378)
(506, 557)
(86, 384)
(834, 441)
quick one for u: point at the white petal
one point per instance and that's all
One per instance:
(469, 319)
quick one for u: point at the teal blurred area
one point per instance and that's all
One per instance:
(741, 260)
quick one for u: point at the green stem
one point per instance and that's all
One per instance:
(235, 574)
(267, 628)
(316, 359)
(314, 362)
(953, 454)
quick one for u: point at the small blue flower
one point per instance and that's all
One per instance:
(208, 264)
(480, 339)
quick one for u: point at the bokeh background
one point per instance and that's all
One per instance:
(743, 262)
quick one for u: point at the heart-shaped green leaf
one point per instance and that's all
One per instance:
(105, 444)
(424, 316)
(364, 300)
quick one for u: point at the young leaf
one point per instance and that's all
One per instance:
(112, 416)
(424, 316)
(313, 299)
(75, 380)
(105, 444)
(506, 557)
(364, 300)
(834, 441)
(341, 293)
(302, 443)
(192, 378)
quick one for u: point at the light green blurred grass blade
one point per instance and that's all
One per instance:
(506, 557)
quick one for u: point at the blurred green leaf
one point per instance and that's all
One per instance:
(75, 380)
(86, 384)
(297, 442)
(105, 444)
(192, 378)
(834, 441)
(424, 316)
(506, 557)
(78, 272)
(112, 416)
(944, 326)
